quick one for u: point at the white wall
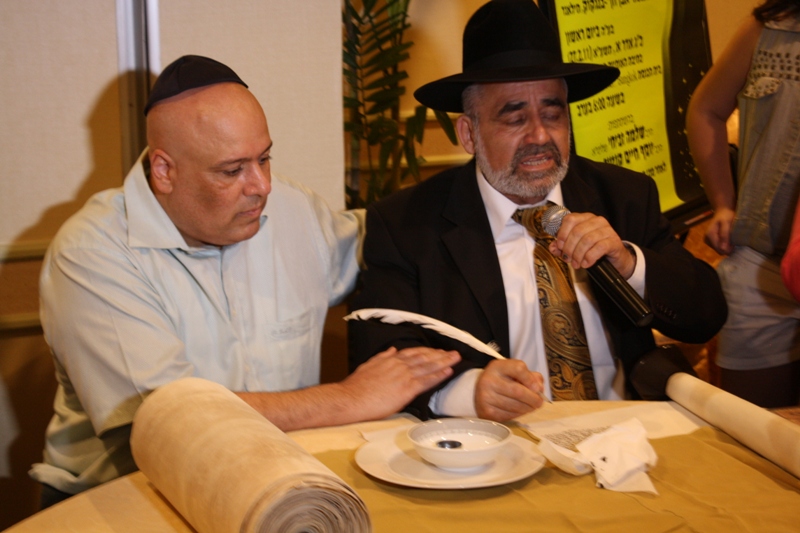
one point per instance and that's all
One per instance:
(59, 117)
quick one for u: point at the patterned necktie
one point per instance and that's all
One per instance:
(568, 360)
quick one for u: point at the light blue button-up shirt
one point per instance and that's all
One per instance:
(128, 306)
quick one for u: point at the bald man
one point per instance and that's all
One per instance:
(189, 270)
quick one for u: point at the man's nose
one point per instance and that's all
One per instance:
(536, 133)
(259, 182)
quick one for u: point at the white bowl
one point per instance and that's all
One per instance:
(479, 442)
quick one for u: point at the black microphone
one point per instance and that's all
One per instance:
(605, 275)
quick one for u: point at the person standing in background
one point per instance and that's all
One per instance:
(759, 346)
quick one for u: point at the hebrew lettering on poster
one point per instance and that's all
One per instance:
(661, 49)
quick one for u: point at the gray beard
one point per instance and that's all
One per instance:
(523, 184)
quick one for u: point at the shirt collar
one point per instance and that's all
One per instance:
(500, 209)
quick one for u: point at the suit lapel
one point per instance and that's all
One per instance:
(472, 248)
(578, 195)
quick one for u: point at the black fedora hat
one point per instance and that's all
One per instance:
(509, 41)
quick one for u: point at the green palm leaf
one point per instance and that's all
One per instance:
(373, 50)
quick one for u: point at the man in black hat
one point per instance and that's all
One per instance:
(458, 246)
(188, 270)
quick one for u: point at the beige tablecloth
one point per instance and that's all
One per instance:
(706, 481)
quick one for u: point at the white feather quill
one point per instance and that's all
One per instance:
(394, 316)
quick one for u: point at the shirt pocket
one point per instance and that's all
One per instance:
(761, 87)
(294, 362)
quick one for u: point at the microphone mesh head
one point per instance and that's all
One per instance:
(552, 217)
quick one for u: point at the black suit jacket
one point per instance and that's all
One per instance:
(429, 249)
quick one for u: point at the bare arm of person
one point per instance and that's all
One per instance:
(709, 109)
(380, 387)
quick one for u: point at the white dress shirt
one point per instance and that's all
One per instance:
(515, 252)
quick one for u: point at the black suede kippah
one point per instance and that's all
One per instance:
(189, 72)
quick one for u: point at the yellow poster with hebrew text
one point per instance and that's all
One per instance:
(625, 124)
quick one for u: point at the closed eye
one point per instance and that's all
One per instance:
(515, 120)
(553, 114)
(232, 173)
(553, 108)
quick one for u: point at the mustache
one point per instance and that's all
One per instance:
(528, 150)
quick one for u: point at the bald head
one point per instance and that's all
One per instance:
(209, 157)
(184, 122)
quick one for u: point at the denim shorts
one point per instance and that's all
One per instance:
(763, 327)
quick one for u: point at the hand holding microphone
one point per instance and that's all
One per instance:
(605, 275)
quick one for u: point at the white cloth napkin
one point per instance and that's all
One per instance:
(620, 456)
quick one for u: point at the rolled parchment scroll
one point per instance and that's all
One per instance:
(764, 432)
(225, 467)
(664, 373)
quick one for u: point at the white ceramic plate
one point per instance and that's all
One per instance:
(396, 461)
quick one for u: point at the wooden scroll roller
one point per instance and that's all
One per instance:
(764, 432)
(225, 467)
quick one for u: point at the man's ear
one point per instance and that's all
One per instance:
(465, 131)
(162, 169)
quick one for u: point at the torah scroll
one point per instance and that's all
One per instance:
(225, 467)
(766, 433)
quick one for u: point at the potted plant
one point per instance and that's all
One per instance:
(373, 49)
